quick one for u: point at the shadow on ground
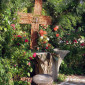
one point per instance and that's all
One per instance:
(73, 83)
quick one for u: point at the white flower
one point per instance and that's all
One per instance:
(81, 40)
(20, 32)
(61, 41)
(41, 37)
(47, 45)
(14, 18)
(9, 22)
(48, 39)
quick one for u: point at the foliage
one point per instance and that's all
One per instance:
(75, 43)
(15, 38)
(14, 41)
(61, 78)
(5, 72)
(68, 15)
(21, 83)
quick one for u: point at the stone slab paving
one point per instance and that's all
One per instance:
(74, 80)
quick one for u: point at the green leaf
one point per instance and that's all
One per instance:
(1, 28)
(5, 29)
(28, 74)
(31, 69)
(82, 37)
(28, 83)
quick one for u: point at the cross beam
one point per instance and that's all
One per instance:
(34, 19)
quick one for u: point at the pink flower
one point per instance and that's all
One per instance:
(60, 38)
(14, 28)
(15, 65)
(82, 44)
(66, 42)
(34, 55)
(29, 64)
(19, 36)
(46, 47)
(13, 25)
(30, 58)
(26, 40)
(75, 41)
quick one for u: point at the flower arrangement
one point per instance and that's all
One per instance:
(43, 41)
(46, 37)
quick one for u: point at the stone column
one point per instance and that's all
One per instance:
(60, 54)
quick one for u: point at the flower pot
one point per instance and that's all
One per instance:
(43, 63)
(47, 63)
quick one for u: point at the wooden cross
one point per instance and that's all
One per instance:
(34, 19)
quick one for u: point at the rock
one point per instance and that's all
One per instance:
(43, 79)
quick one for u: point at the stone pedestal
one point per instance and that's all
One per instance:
(48, 63)
(60, 54)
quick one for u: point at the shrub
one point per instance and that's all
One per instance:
(5, 72)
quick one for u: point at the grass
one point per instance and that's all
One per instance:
(61, 78)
